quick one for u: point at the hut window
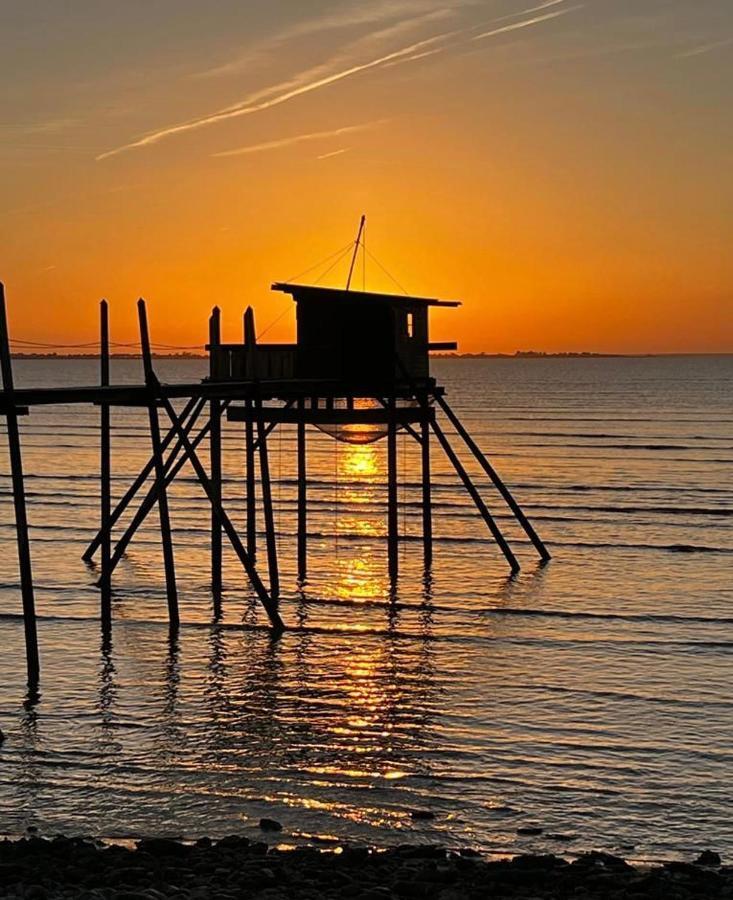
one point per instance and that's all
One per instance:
(410, 325)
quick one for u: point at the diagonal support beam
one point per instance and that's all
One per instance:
(21, 514)
(476, 497)
(139, 481)
(172, 468)
(153, 387)
(225, 522)
(496, 480)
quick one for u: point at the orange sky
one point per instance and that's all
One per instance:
(561, 167)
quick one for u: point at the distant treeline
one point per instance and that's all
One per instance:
(519, 354)
(112, 356)
(534, 354)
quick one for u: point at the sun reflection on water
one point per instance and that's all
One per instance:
(361, 574)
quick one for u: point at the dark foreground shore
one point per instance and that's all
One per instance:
(236, 868)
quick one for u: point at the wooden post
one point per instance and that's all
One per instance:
(302, 495)
(476, 497)
(139, 481)
(163, 512)
(427, 504)
(105, 454)
(21, 516)
(265, 484)
(494, 476)
(215, 455)
(249, 440)
(392, 516)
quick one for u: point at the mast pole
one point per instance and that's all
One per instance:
(357, 244)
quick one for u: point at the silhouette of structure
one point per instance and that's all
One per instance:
(359, 370)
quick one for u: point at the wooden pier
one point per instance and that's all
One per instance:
(360, 360)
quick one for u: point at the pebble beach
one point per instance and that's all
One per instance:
(234, 868)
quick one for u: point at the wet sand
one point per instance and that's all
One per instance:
(235, 868)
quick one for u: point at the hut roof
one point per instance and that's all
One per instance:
(313, 292)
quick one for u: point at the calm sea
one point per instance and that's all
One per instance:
(592, 698)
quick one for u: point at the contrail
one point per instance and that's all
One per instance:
(247, 107)
(334, 153)
(525, 23)
(299, 138)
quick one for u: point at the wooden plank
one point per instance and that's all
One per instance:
(313, 292)
(442, 345)
(288, 415)
(138, 395)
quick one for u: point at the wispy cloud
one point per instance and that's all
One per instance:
(343, 65)
(300, 138)
(334, 153)
(526, 23)
(531, 9)
(706, 48)
(249, 105)
(408, 12)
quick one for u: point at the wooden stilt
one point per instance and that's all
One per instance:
(139, 481)
(427, 504)
(249, 440)
(105, 459)
(476, 497)
(21, 517)
(215, 455)
(163, 512)
(172, 468)
(392, 516)
(269, 603)
(250, 475)
(494, 476)
(266, 486)
(302, 496)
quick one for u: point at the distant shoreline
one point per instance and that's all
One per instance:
(519, 354)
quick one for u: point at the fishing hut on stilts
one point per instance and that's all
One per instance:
(360, 359)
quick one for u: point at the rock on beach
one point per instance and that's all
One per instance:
(237, 868)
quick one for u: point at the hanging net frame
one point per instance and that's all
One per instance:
(360, 433)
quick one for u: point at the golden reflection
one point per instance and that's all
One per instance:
(359, 461)
(357, 579)
(361, 571)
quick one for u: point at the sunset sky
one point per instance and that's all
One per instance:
(562, 167)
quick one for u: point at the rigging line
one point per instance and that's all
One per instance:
(320, 263)
(55, 346)
(339, 253)
(386, 271)
(274, 322)
(346, 252)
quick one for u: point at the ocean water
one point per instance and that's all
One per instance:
(592, 697)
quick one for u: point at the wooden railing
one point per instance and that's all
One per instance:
(265, 362)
